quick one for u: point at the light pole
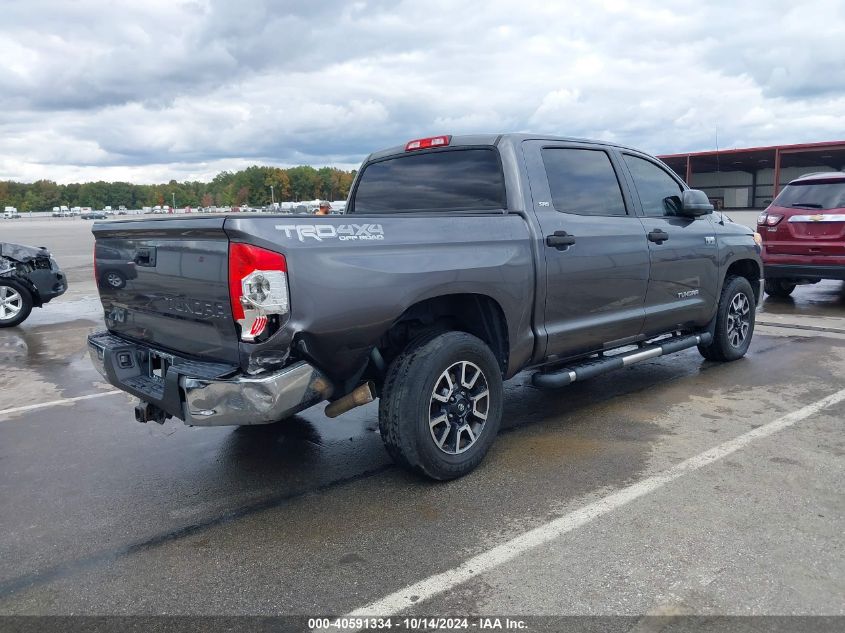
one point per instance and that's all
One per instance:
(174, 202)
(272, 198)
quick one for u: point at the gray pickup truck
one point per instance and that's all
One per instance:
(459, 262)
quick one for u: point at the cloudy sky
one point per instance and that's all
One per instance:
(151, 90)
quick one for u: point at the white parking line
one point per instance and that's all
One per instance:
(477, 565)
(53, 403)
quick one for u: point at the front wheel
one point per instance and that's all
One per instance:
(778, 287)
(441, 406)
(734, 322)
(15, 303)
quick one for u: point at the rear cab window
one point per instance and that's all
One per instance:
(459, 179)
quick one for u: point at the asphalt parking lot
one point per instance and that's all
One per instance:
(676, 486)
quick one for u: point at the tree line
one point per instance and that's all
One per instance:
(250, 186)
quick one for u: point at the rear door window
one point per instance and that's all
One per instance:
(453, 180)
(582, 181)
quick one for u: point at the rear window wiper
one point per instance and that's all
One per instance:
(811, 205)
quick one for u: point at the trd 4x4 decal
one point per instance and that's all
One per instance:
(343, 232)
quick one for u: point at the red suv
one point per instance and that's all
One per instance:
(804, 233)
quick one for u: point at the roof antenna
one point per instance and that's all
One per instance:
(718, 170)
(716, 134)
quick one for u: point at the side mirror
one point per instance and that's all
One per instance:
(695, 203)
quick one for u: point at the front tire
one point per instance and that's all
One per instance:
(15, 303)
(441, 405)
(734, 322)
(778, 287)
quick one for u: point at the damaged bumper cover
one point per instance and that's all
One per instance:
(33, 267)
(205, 394)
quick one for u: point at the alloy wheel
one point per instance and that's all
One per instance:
(11, 303)
(739, 319)
(459, 407)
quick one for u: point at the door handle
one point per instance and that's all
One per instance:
(561, 240)
(658, 236)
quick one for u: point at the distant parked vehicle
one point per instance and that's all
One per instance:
(11, 213)
(29, 277)
(93, 215)
(803, 233)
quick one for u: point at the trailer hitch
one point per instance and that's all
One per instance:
(147, 412)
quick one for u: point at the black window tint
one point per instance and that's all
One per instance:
(453, 180)
(813, 195)
(660, 194)
(583, 181)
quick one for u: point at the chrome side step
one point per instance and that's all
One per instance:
(603, 364)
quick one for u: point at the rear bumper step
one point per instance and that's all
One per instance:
(602, 365)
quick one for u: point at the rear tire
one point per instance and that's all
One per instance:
(15, 303)
(778, 287)
(441, 405)
(114, 279)
(734, 322)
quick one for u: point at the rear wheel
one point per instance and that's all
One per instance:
(441, 406)
(778, 287)
(734, 322)
(114, 279)
(15, 303)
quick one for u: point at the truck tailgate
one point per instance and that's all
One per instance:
(165, 282)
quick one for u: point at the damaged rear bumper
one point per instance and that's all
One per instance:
(205, 394)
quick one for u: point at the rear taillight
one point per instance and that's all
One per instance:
(258, 288)
(768, 219)
(96, 276)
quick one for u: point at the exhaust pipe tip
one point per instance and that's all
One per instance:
(361, 395)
